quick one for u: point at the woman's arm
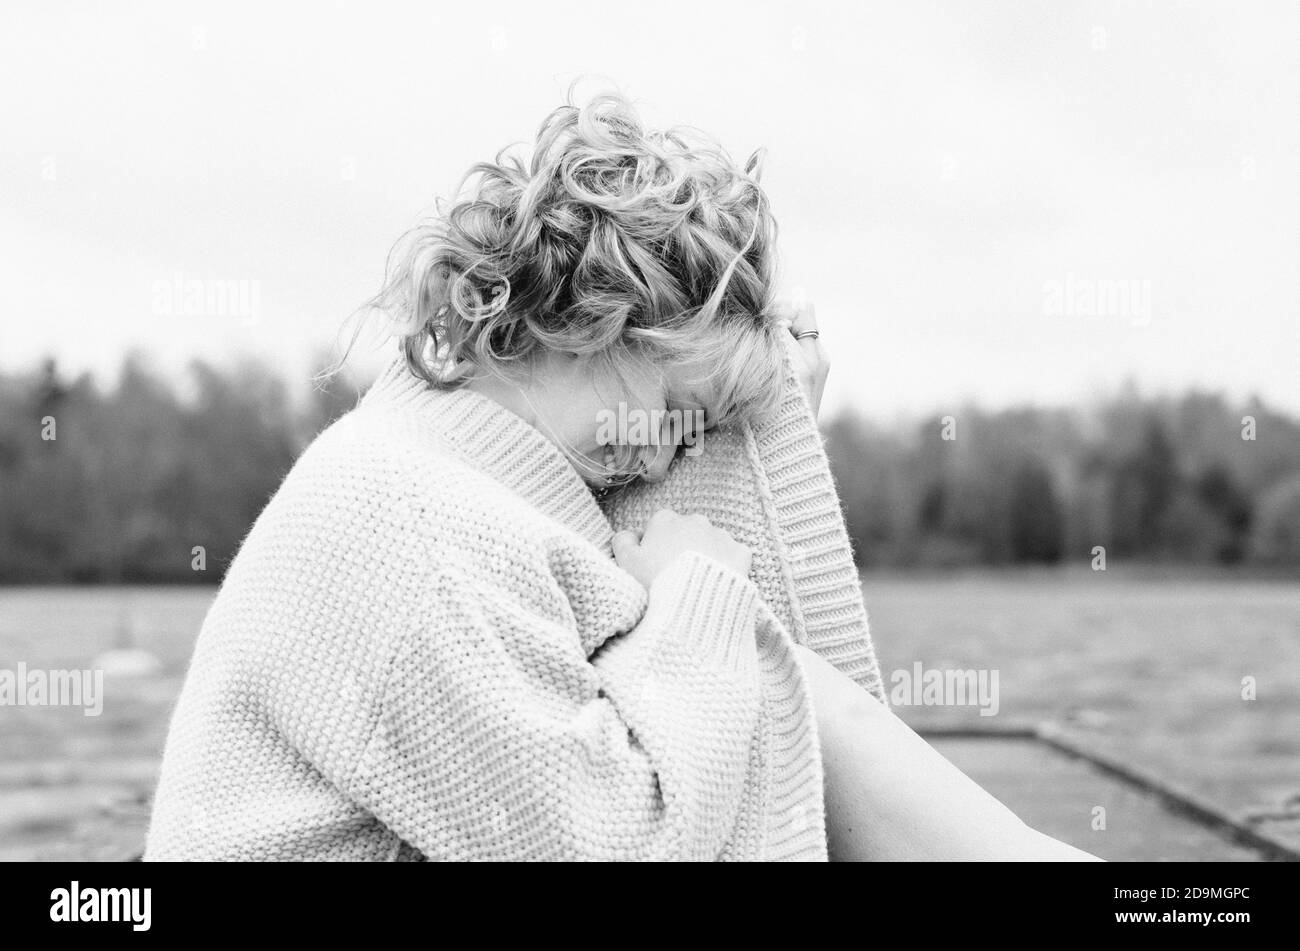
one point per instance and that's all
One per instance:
(890, 796)
(498, 739)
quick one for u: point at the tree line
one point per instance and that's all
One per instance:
(122, 484)
(125, 483)
(1186, 480)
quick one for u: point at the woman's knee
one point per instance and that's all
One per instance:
(836, 699)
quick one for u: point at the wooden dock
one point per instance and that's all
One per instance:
(1054, 786)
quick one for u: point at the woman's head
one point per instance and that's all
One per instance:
(620, 249)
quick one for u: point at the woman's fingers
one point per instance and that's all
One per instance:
(667, 536)
(803, 321)
(624, 542)
(800, 316)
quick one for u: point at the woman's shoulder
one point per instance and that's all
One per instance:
(379, 486)
(383, 456)
(371, 515)
(377, 443)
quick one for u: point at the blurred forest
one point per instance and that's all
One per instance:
(139, 473)
(1152, 480)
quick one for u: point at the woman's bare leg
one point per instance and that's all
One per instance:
(891, 797)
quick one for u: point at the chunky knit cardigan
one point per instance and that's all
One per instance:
(425, 650)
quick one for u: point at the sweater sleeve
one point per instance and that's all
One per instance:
(499, 739)
(770, 486)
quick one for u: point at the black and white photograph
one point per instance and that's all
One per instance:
(700, 432)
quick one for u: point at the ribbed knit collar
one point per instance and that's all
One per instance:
(501, 444)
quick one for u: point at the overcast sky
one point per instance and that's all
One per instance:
(953, 180)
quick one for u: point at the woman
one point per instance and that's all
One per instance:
(476, 620)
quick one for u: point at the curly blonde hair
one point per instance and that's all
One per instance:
(610, 240)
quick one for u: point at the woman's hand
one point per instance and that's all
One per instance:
(814, 365)
(667, 536)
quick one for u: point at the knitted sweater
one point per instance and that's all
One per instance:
(425, 650)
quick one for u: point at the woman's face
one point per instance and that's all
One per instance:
(614, 430)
